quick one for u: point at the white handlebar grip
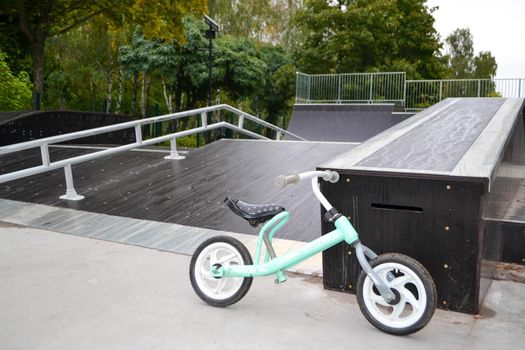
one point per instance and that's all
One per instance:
(282, 180)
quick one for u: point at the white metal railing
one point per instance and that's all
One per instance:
(421, 94)
(71, 194)
(351, 88)
(394, 88)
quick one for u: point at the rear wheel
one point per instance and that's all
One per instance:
(219, 251)
(414, 289)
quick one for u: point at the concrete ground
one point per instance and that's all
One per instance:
(59, 291)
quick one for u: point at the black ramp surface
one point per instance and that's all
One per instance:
(143, 185)
(342, 123)
(439, 143)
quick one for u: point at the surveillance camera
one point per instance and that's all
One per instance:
(214, 25)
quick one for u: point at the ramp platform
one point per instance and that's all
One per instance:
(343, 122)
(426, 188)
(189, 192)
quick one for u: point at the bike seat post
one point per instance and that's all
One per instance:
(276, 224)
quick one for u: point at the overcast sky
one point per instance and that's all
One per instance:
(496, 25)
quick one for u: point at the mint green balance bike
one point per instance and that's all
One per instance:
(395, 293)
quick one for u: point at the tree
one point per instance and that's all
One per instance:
(15, 91)
(279, 87)
(368, 35)
(43, 19)
(263, 20)
(462, 63)
(460, 54)
(243, 71)
(485, 65)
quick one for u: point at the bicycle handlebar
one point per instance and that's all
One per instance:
(283, 181)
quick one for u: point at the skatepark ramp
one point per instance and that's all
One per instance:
(343, 122)
(136, 128)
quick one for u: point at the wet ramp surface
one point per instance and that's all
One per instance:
(190, 192)
(342, 123)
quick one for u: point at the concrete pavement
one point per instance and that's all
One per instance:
(60, 291)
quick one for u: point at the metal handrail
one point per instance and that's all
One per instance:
(71, 193)
(127, 125)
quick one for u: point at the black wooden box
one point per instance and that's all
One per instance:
(424, 188)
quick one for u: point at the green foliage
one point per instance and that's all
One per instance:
(243, 71)
(261, 20)
(369, 35)
(462, 63)
(279, 88)
(76, 68)
(40, 20)
(460, 54)
(485, 65)
(15, 90)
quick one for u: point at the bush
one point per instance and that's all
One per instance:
(15, 91)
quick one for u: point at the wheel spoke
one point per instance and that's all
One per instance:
(214, 256)
(410, 298)
(378, 299)
(220, 286)
(226, 258)
(398, 309)
(402, 280)
(207, 274)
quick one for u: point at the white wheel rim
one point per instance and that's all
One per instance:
(411, 306)
(217, 288)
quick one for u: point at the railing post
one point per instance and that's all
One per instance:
(71, 194)
(309, 88)
(371, 87)
(339, 88)
(278, 135)
(44, 150)
(204, 120)
(174, 154)
(138, 133)
(479, 87)
(241, 121)
(440, 90)
(296, 86)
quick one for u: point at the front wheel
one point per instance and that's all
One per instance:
(223, 251)
(414, 289)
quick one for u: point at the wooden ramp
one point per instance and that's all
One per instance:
(343, 122)
(143, 185)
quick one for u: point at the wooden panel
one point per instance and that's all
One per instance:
(513, 249)
(442, 231)
(143, 185)
(342, 122)
(40, 124)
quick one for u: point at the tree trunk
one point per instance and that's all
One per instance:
(62, 92)
(183, 123)
(167, 96)
(147, 105)
(143, 97)
(134, 93)
(38, 47)
(178, 100)
(110, 89)
(119, 97)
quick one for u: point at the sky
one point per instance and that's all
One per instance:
(496, 25)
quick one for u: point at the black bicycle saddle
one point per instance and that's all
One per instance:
(253, 213)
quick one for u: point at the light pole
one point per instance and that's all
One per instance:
(210, 35)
